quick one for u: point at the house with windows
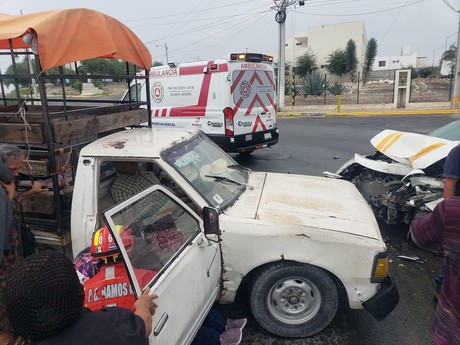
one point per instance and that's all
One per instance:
(407, 59)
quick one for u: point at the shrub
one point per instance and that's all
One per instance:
(97, 83)
(426, 72)
(77, 85)
(336, 88)
(314, 83)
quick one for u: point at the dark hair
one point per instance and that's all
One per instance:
(43, 295)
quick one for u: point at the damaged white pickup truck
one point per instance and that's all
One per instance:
(404, 176)
(210, 225)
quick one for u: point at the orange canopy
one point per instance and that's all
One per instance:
(65, 36)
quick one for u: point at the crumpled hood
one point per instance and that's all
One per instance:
(412, 149)
(310, 201)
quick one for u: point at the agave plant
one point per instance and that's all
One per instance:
(336, 88)
(314, 83)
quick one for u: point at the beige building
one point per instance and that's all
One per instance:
(324, 39)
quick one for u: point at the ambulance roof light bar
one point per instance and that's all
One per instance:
(250, 57)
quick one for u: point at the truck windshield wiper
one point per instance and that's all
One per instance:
(226, 179)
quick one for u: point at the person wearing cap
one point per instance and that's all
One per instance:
(44, 304)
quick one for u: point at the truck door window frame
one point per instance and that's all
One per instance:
(110, 219)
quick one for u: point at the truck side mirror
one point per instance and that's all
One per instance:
(211, 221)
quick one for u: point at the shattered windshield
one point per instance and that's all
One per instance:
(215, 175)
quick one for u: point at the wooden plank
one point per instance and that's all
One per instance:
(39, 168)
(68, 130)
(15, 133)
(34, 168)
(38, 203)
(50, 238)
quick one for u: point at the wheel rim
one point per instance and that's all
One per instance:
(294, 300)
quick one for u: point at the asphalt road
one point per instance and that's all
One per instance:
(311, 145)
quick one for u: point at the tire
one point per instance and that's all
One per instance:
(313, 299)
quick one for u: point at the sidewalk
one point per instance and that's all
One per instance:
(428, 108)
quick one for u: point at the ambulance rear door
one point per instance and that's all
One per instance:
(253, 95)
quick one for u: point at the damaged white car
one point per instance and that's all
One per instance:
(405, 174)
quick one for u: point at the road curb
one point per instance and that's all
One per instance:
(371, 113)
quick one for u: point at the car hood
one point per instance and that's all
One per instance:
(299, 200)
(416, 150)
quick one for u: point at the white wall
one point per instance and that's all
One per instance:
(382, 63)
(324, 39)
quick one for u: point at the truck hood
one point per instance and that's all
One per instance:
(309, 201)
(416, 150)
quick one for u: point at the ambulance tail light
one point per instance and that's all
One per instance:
(228, 119)
(251, 57)
(267, 58)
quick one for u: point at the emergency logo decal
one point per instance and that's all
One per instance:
(245, 89)
(158, 92)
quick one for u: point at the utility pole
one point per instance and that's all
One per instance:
(166, 52)
(456, 90)
(280, 17)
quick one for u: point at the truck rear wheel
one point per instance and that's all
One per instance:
(293, 300)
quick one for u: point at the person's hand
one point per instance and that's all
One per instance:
(38, 187)
(145, 308)
(10, 189)
(145, 301)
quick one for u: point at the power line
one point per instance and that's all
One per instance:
(394, 20)
(189, 12)
(359, 14)
(231, 36)
(207, 26)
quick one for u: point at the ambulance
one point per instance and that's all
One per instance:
(231, 100)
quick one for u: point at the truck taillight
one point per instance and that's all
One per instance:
(228, 119)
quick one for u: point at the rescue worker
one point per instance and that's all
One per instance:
(111, 285)
(44, 303)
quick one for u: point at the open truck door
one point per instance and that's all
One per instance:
(169, 253)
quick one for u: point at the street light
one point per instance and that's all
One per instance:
(166, 50)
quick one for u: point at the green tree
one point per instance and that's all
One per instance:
(351, 61)
(369, 57)
(157, 63)
(450, 54)
(306, 64)
(337, 62)
(22, 67)
(106, 67)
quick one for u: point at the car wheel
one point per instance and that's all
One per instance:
(293, 300)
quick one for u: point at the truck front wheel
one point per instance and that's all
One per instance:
(293, 300)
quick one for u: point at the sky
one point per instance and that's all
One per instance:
(208, 29)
